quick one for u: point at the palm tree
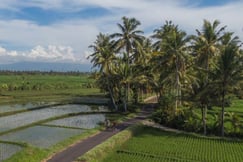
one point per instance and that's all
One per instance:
(206, 48)
(229, 70)
(141, 69)
(125, 42)
(103, 58)
(172, 45)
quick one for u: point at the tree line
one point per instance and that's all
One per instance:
(37, 72)
(200, 70)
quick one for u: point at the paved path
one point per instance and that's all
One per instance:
(77, 150)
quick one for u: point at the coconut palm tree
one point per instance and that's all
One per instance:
(206, 49)
(229, 71)
(141, 69)
(103, 58)
(125, 42)
(172, 45)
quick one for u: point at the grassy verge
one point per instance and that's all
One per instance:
(105, 148)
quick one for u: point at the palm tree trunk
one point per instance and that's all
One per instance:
(204, 122)
(111, 93)
(125, 101)
(204, 115)
(112, 98)
(177, 86)
(222, 113)
(125, 97)
(127, 84)
(141, 91)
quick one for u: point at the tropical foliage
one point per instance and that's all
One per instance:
(185, 71)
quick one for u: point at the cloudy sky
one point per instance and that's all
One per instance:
(62, 30)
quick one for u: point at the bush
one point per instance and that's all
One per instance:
(192, 122)
(184, 119)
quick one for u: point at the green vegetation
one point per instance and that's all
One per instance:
(150, 144)
(102, 150)
(26, 87)
(186, 72)
(197, 79)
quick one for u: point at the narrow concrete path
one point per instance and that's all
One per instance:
(77, 150)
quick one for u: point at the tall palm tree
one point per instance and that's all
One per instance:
(172, 44)
(126, 40)
(103, 58)
(206, 48)
(229, 70)
(141, 69)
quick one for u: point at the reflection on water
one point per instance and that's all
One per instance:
(23, 106)
(88, 121)
(41, 136)
(7, 150)
(29, 117)
(44, 136)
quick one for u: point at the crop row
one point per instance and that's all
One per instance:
(177, 147)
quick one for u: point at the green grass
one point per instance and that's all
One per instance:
(44, 87)
(236, 106)
(151, 144)
(105, 148)
(28, 79)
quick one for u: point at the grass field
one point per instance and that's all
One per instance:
(152, 145)
(44, 87)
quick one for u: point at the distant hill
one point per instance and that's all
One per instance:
(43, 66)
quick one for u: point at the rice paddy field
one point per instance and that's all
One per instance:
(45, 127)
(87, 121)
(32, 126)
(41, 136)
(45, 112)
(154, 145)
(27, 118)
(7, 150)
(24, 106)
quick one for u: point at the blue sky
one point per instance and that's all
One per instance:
(62, 30)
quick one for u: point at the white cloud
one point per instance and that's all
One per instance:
(72, 37)
(77, 35)
(39, 53)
